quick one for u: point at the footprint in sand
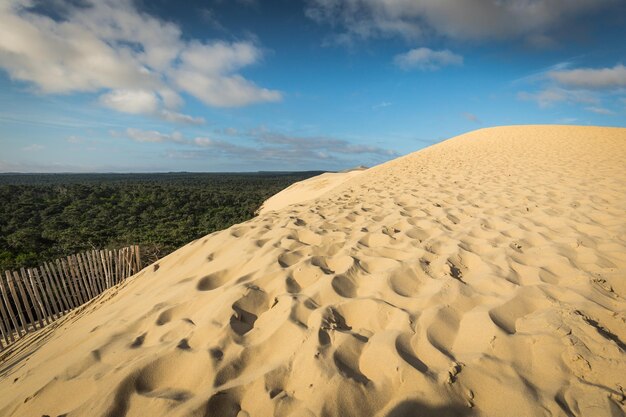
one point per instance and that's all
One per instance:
(248, 309)
(213, 281)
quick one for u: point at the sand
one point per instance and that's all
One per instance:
(481, 276)
(307, 190)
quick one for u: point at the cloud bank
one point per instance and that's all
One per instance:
(592, 78)
(137, 63)
(427, 59)
(260, 145)
(475, 20)
(578, 85)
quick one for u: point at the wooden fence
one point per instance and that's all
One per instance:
(34, 297)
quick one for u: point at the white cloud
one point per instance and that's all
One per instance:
(138, 63)
(131, 101)
(592, 78)
(205, 142)
(551, 95)
(35, 147)
(562, 83)
(427, 59)
(599, 110)
(153, 136)
(223, 91)
(172, 116)
(260, 145)
(456, 19)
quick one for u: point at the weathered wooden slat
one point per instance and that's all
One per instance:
(116, 266)
(102, 265)
(7, 331)
(55, 304)
(43, 296)
(129, 261)
(103, 269)
(86, 275)
(101, 260)
(5, 324)
(124, 263)
(73, 281)
(9, 312)
(82, 278)
(37, 305)
(92, 271)
(95, 261)
(107, 266)
(97, 273)
(58, 287)
(24, 306)
(120, 269)
(138, 259)
(133, 260)
(80, 290)
(110, 265)
(42, 302)
(67, 282)
(89, 274)
(116, 263)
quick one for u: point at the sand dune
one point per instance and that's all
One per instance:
(481, 276)
(307, 190)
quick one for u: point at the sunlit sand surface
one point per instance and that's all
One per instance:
(485, 275)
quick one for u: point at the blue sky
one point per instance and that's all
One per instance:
(245, 85)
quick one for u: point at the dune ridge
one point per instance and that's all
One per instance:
(308, 189)
(482, 276)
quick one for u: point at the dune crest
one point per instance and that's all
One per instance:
(308, 189)
(482, 276)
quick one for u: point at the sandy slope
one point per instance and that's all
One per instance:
(307, 190)
(481, 276)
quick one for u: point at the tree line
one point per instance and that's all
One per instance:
(46, 216)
